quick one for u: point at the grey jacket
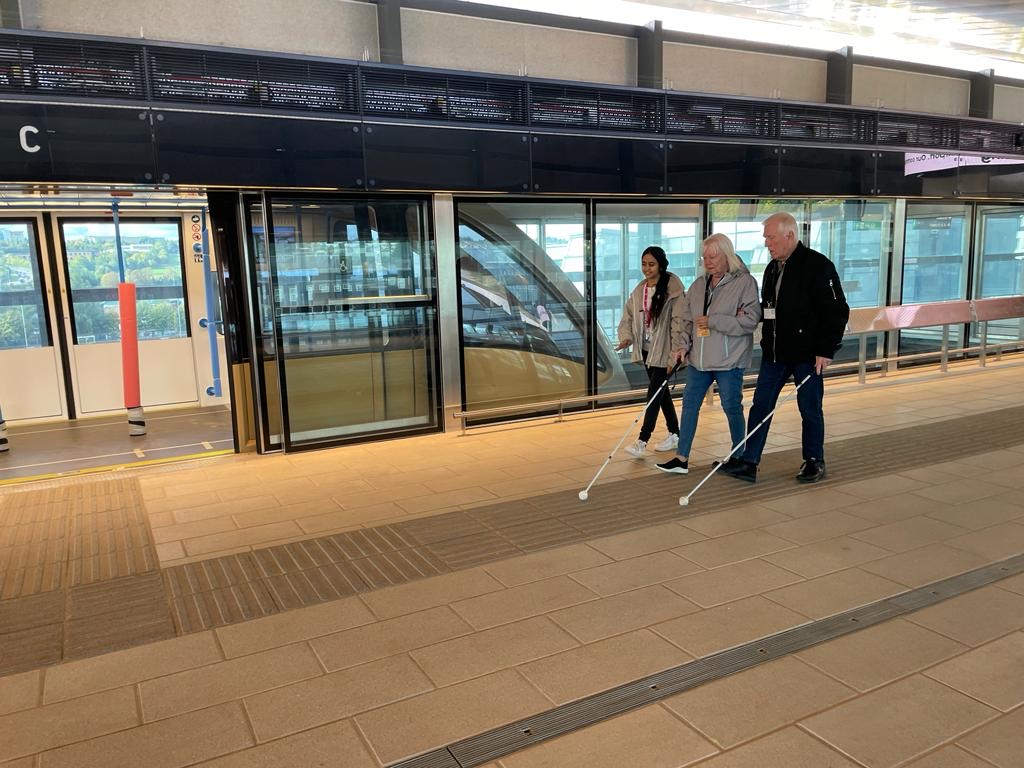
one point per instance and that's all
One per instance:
(667, 330)
(733, 315)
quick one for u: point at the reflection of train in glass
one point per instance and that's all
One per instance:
(523, 320)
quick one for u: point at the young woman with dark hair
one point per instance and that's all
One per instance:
(652, 323)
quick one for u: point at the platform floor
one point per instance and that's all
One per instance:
(84, 445)
(366, 604)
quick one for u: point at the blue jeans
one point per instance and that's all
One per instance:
(730, 388)
(770, 380)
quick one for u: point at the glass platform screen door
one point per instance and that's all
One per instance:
(355, 316)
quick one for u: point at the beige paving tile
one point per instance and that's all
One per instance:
(637, 572)
(172, 550)
(728, 625)
(172, 743)
(542, 565)
(976, 617)
(285, 512)
(336, 744)
(293, 626)
(960, 490)
(999, 741)
(733, 520)
(886, 485)
(133, 665)
(881, 654)
(732, 582)
(389, 637)
(823, 557)
(1013, 584)
(348, 518)
(732, 548)
(812, 502)
(177, 503)
(644, 541)
(898, 722)
(789, 748)
(827, 525)
(891, 509)
(321, 700)
(34, 730)
(835, 593)
(648, 737)
(204, 545)
(20, 691)
(910, 533)
(993, 673)
(428, 593)
(950, 757)
(995, 543)
(488, 651)
(24, 762)
(622, 613)
(981, 513)
(446, 499)
(521, 602)
(925, 565)
(598, 666)
(223, 509)
(743, 706)
(214, 684)
(449, 714)
(191, 530)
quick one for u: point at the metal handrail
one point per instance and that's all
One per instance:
(876, 320)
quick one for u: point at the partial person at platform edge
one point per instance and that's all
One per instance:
(805, 316)
(652, 323)
(721, 314)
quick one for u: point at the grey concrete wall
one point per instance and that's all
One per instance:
(1009, 104)
(910, 91)
(335, 28)
(742, 73)
(448, 41)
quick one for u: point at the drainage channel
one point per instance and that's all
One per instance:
(516, 736)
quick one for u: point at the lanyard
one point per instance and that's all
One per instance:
(709, 294)
(646, 309)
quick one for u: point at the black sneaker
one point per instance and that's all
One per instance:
(812, 471)
(675, 465)
(733, 463)
(741, 470)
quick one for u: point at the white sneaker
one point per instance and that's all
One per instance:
(668, 444)
(637, 449)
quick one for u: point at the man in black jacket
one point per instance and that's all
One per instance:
(805, 315)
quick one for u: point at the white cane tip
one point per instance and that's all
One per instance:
(583, 495)
(684, 500)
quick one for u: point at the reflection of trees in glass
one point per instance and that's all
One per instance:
(152, 259)
(19, 327)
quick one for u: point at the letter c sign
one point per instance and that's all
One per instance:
(23, 137)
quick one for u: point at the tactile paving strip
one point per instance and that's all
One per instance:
(78, 569)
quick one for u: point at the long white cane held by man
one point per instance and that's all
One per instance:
(684, 500)
(585, 493)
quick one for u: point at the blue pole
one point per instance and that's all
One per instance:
(117, 240)
(211, 323)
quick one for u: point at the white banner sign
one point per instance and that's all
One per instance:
(922, 162)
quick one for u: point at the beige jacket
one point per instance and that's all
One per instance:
(667, 331)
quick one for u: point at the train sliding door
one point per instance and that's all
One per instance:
(349, 290)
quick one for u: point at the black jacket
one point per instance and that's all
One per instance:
(811, 314)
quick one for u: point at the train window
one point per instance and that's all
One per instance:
(856, 235)
(740, 221)
(23, 322)
(153, 261)
(622, 231)
(935, 254)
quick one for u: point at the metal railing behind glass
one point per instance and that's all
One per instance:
(863, 322)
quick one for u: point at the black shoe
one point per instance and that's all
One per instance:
(741, 470)
(733, 463)
(812, 471)
(676, 465)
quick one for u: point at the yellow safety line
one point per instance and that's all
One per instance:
(114, 467)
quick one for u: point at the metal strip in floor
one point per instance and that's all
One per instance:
(506, 739)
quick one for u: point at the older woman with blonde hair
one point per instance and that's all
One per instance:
(721, 310)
